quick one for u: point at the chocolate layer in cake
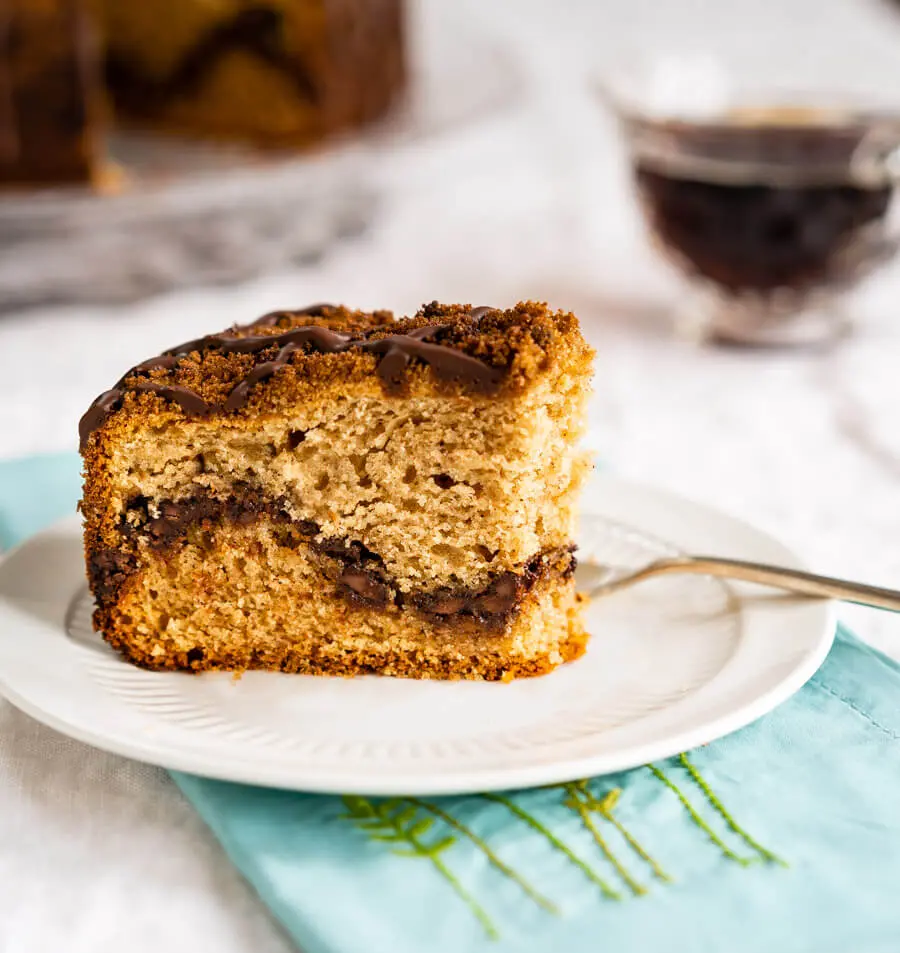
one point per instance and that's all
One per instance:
(348, 567)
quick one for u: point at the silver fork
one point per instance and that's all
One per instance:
(598, 580)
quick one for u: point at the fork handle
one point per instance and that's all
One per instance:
(791, 580)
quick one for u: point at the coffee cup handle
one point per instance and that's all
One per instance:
(876, 160)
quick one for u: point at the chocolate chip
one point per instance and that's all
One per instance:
(365, 585)
(295, 438)
(108, 569)
(350, 552)
(447, 605)
(170, 510)
(500, 596)
(164, 530)
(444, 480)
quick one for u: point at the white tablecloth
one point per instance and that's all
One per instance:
(101, 854)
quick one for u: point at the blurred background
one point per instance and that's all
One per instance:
(490, 169)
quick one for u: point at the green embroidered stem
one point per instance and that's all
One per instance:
(536, 825)
(577, 803)
(713, 799)
(395, 823)
(606, 807)
(698, 820)
(504, 868)
(492, 932)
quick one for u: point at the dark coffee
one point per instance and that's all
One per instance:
(755, 208)
(760, 237)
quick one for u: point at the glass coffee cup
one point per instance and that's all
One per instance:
(773, 204)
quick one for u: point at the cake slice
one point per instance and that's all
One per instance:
(336, 492)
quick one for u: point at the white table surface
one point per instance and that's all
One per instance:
(98, 853)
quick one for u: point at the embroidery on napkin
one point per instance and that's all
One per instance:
(407, 825)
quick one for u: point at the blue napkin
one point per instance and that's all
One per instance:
(782, 837)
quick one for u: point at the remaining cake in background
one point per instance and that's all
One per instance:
(50, 97)
(277, 72)
(274, 72)
(330, 491)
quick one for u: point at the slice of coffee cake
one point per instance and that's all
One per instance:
(331, 491)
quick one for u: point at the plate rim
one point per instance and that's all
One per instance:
(282, 772)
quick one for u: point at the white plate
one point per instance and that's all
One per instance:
(673, 663)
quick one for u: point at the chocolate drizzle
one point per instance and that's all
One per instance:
(396, 350)
(271, 319)
(255, 30)
(479, 312)
(189, 402)
(358, 574)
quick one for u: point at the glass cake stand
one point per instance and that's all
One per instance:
(189, 213)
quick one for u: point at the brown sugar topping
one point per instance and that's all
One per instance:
(473, 348)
